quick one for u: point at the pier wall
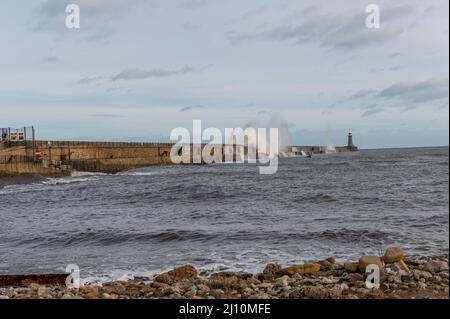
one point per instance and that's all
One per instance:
(106, 157)
(322, 149)
(59, 157)
(31, 168)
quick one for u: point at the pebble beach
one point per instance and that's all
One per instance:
(401, 277)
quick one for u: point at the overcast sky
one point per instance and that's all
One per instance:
(136, 69)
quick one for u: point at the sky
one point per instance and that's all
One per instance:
(136, 69)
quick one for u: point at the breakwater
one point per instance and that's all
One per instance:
(60, 158)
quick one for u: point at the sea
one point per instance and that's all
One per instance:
(227, 216)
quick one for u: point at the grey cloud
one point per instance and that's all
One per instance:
(362, 93)
(418, 92)
(138, 74)
(90, 80)
(247, 15)
(409, 108)
(372, 112)
(376, 70)
(113, 89)
(396, 67)
(394, 55)
(336, 31)
(141, 74)
(101, 34)
(191, 108)
(50, 59)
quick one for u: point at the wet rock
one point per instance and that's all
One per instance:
(331, 260)
(26, 280)
(272, 268)
(435, 266)
(310, 292)
(326, 281)
(326, 265)
(265, 285)
(437, 279)
(393, 254)
(355, 277)
(365, 261)
(191, 292)
(217, 293)
(351, 267)
(171, 290)
(177, 274)
(335, 292)
(301, 269)
(394, 279)
(229, 274)
(259, 296)
(159, 285)
(374, 294)
(202, 290)
(282, 282)
(420, 274)
(422, 285)
(3, 297)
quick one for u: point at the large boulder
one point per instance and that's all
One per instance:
(301, 269)
(351, 267)
(181, 273)
(365, 261)
(393, 255)
(435, 266)
(272, 268)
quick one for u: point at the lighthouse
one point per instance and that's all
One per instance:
(350, 145)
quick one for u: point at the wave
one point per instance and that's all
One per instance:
(318, 198)
(81, 174)
(69, 180)
(137, 174)
(107, 238)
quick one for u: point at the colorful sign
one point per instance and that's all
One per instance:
(3, 134)
(16, 135)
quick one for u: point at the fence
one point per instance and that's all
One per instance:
(40, 143)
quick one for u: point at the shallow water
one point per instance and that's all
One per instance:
(228, 216)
